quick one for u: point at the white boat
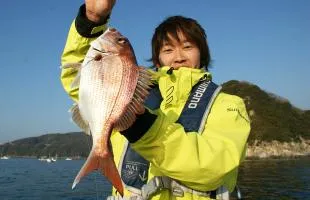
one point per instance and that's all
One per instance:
(49, 159)
(54, 159)
(68, 158)
(4, 157)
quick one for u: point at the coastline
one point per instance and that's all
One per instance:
(276, 149)
(258, 150)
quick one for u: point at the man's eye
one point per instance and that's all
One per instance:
(167, 50)
(187, 46)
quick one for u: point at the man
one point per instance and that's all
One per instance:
(190, 141)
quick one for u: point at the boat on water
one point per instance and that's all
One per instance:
(49, 159)
(4, 157)
(68, 158)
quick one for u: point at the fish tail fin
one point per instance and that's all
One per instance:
(90, 165)
(107, 167)
(109, 170)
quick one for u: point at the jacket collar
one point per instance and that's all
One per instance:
(176, 85)
(183, 73)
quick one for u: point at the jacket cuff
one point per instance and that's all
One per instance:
(140, 126)
(87, 28)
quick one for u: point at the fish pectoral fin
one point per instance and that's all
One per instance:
(77, 66)
(78, 119)
(76, 82)
(72, 65)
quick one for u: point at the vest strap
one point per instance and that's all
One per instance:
(159, 183)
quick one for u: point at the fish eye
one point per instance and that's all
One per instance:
(98, 57)
(121, 40)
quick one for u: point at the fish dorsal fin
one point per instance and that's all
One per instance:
(137, 103)
(77, 118)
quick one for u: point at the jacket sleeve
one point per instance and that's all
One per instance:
(82, 32)
(200, 161)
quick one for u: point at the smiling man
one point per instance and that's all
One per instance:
(186, 145)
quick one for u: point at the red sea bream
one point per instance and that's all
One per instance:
(112, 89)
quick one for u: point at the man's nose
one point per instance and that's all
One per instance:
(179, 57)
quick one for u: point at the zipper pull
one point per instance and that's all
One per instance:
(205, 77)
(170, 71)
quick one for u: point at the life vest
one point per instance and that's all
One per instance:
(134, 168)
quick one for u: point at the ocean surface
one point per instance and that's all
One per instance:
(31, 179)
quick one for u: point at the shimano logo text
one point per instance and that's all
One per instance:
(198, 94)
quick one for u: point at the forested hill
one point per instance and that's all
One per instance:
(76, 144)
(272, 118)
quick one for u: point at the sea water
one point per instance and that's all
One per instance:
(33, 179)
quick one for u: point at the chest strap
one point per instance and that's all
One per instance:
(159, 183)
(198, 105)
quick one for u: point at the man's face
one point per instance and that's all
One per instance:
(176, 54)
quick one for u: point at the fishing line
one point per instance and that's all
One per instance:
(92, 58)
(88, 141)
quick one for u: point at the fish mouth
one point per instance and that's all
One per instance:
(99, 55)
(105, 53)
(101, 51)
(98, 46)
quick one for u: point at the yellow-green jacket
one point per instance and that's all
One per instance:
(202, 161)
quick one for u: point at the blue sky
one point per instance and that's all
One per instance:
(263, 42)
